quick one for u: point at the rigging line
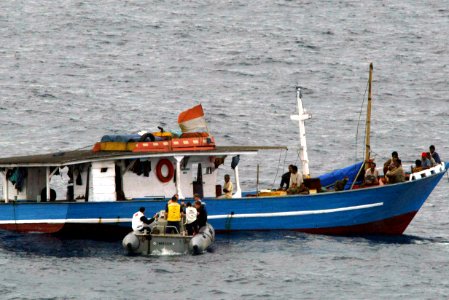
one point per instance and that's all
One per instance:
(358, 122)
(377, 154)
(279, 163)
(277, 169)
(285, 157)
(297, 156)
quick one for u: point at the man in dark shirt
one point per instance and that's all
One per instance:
(202, 214)
(435, 155)
(285, 179)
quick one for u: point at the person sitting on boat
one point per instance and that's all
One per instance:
(434, 155)
(391, 162)
(139, 221)
(228, 187)
(418, 166)
(173, 212)
(285, 179)
(44, 195)
(191, 216)
(296, 182)
(432, 161)
(202, 213)
(395, 174)
(425, 161)
(371, 175)
(340, 184)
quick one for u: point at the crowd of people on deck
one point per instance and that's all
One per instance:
(393, 170)
(194, 216)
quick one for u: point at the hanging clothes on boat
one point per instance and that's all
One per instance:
(137, 168)
(146, 167)
(77, 171)
(142, 167)
(17, 177)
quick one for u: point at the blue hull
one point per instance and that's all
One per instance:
(379, 210)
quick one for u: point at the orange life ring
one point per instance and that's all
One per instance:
(171, 170)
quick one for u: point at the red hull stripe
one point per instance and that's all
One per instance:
(33, 227)
(392, 226)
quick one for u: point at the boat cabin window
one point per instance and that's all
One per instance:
(104, 170)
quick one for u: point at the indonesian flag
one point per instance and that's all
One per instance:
(192, 120)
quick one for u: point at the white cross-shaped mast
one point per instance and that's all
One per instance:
(301, 117)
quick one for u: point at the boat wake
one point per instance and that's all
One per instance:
(165, 252)
(406, 239)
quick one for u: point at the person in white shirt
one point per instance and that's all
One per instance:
(139, 221)
(296, 182)
(191, 224)
(371, 175)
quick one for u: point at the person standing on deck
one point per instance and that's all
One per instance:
(390, 163)
(202, 214)
(191, 216)
(228, 187)
(174, 214)
(434, 155)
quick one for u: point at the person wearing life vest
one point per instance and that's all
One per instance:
(173, 211)
(139, 221)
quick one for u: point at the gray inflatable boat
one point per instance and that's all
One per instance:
(155, 241)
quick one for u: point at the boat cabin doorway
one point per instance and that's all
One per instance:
(197, 179)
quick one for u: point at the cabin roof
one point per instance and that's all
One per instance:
(85, 156)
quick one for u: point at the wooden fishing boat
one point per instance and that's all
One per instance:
(110, 182)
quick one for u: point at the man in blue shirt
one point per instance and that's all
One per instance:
(435, 155)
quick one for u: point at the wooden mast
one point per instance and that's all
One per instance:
(368, 118)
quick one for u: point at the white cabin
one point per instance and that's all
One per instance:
(111, 176)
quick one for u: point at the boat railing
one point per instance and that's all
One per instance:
(161, 229)
(428, 172)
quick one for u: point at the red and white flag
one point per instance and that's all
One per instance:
(192, 120)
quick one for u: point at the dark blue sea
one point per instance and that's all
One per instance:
(72, 71)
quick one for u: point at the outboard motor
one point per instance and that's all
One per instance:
(201, 241)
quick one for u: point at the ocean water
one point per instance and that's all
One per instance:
(73, 71)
